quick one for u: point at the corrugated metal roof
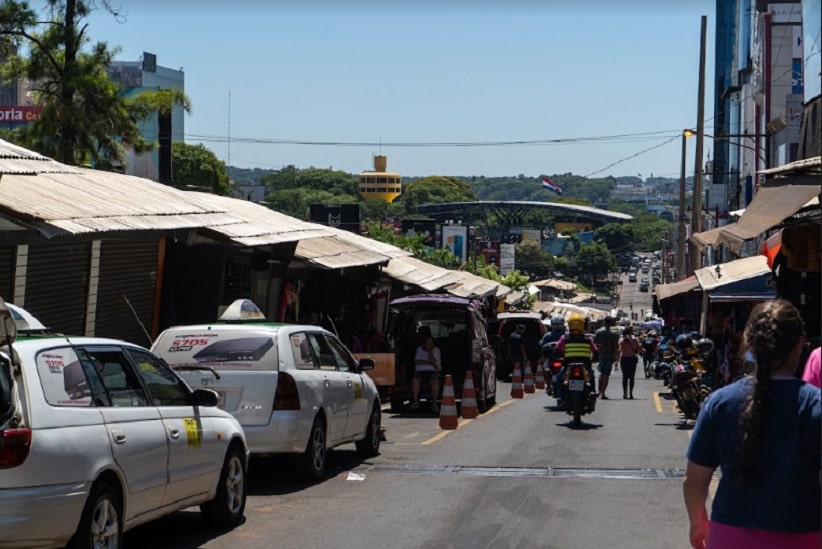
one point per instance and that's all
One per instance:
(565, 310)
(369, 243)
(17, 160)
(431, 277)
(257, 225)
(664, 291)
(91, 201)
(555, 284)
(333, 252)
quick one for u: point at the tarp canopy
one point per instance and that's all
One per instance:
(707, 238)
(770, 207)
(665, 291)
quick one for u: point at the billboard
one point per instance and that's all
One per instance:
(425, 227)
(507, 253)
(490, 250)
(341, 216)
(455, 238)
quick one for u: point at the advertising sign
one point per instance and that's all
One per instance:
(14, 116)
(507, 253)
(532, 234)
(455, 238)
(490, 250)
(425, 227)
(341, 216)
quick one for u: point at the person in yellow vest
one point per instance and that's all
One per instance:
(577, 347)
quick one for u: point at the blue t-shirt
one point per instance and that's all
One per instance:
(551, 337)
(785, 496)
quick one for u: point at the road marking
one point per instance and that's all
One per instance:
(462, 423)
(657, 402)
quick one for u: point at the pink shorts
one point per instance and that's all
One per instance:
(721, 536)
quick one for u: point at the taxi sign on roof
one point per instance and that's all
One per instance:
(242, 309)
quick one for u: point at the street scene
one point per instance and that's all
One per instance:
(404, 275)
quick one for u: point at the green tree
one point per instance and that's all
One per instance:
(196, 166)
(85, 118)
(594, 261)
(335, 182)
(532, 259)
(441, 257)
(296, 202)
(436, 189)
(617, 237)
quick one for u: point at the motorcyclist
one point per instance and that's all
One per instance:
(545, 344)
(577, 347)
(650, 344)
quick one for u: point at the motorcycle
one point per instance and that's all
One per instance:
(579, 384)
(687, 384)
(551, 366)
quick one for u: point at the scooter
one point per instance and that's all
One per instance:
(579, 384)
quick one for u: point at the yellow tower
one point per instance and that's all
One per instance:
(380, 183)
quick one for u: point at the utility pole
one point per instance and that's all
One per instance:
(696, 217)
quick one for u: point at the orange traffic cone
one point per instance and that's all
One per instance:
(468, 408)
(516, 383)
(448, 410)
(539, 381)
(529, 379)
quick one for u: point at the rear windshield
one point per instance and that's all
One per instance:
(229, 350)
(5, 389)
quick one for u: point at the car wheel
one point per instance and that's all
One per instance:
(312, 461)
(101, 524)
(369, 446)
(226, 509)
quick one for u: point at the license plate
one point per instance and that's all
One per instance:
(576, 385)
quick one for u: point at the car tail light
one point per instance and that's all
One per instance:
(287, 396)
(14, 447)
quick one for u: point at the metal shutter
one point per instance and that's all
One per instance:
(128, 274)
(57, 284)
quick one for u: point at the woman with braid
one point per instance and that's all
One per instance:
(763, 431)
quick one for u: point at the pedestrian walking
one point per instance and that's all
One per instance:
(763, 431)
(607, 343)
(628, 356)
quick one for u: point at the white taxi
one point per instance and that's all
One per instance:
(296, 389)
(99, 435)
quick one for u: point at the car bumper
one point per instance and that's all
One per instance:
(286, 432)
(43, 516)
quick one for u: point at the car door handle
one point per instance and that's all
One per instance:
(118, 436)
(174, 433)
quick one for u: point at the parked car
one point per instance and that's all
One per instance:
(458, 329)
(534, 330)
(98, 436)
(296, 389)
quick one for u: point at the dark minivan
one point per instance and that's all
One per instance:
(458, 329)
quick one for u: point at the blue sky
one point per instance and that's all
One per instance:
(453, 71)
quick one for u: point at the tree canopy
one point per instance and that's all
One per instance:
(85, 117)
(197, 166)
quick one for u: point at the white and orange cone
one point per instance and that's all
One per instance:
(468, 407)
(448, 410)
(516, 383)
(529, 379)
(539, 380)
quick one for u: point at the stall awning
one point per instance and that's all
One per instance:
(431, 278)
(707, 238)
(770, 207)
(744, 279)
(664, 291)
(722, 274)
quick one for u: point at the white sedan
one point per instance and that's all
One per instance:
(98, 436)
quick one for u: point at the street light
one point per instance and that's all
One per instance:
(680, 255)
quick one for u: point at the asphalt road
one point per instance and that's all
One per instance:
(518, 476)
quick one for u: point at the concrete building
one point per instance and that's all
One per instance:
(146, 75)
(380, 184)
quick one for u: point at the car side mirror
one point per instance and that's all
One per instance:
(366, 363)
(205, 397)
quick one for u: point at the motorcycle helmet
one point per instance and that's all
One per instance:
(557, 323)
(705, 345)
(683, 342)
(576, 323)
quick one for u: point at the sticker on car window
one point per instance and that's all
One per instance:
(192, 432)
